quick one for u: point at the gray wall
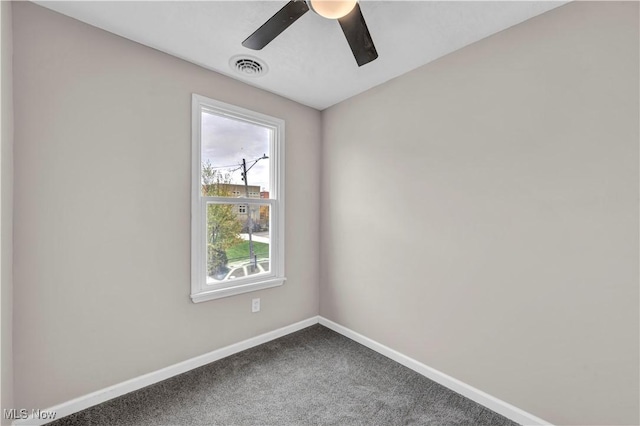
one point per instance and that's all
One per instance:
(6, 211)
(102, 175)
(480, 214)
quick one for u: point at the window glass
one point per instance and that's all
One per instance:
(232, 251)
(228, 146)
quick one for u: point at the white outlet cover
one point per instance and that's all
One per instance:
(255, 305)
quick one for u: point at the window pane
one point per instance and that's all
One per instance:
(238, 241)
(228, 147)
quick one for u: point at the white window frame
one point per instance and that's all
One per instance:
(200, 290)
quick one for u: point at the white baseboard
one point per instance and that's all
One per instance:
(503, 408)
(94, 398)
(136, 383)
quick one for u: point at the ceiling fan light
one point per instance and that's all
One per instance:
(332, 9)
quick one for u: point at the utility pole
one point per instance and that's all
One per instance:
(252, 256)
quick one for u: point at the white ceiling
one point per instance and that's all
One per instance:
(310, 62)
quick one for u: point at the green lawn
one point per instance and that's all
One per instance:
(241, 251)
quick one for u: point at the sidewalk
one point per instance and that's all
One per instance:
(261, 237)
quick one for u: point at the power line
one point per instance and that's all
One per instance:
(226, 167)
(238, 165)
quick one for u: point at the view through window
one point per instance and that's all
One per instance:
(235, 164)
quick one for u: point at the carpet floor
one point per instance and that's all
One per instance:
(312, 377)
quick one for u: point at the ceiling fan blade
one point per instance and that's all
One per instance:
(276, 24)
(357, 34)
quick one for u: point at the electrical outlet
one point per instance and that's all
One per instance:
(255, 305)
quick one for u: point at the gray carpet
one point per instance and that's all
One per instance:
(311, 377)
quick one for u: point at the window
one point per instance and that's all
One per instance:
(237, 200)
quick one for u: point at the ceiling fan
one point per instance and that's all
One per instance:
(347, 13)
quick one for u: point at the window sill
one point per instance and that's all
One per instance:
(205, 295)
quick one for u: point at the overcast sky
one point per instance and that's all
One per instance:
(225, 142)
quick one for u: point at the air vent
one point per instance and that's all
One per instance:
(248, 66)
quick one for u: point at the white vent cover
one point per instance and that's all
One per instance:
(248, 66)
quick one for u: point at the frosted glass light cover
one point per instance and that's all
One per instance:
(332, 9)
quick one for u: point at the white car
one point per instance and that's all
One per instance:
(241, 270)
(246, 269)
